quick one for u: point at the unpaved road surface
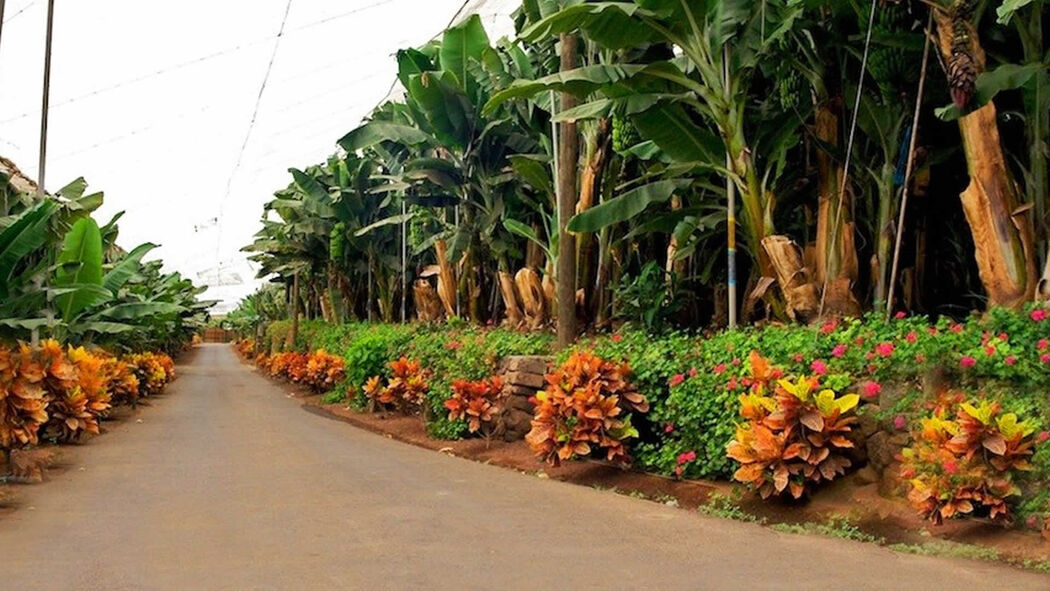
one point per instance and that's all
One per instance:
(227, 484)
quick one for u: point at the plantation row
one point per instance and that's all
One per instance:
(106, 321)
(596, 156)
(783, 409)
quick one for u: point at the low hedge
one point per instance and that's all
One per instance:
(693, 380)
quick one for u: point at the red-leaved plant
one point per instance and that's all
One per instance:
(584, 409)
(477, 403)
(406, 390)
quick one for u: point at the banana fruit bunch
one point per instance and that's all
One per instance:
(624, 134)
(337, 242)
(892, 67)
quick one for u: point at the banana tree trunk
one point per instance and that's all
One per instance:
(1002, 235)
(881, 262)
(836, 254)
(800, 291)
(446, 278)
(293, 311)
(509, 294)
(590, 186)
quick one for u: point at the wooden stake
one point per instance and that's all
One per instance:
(568, 157)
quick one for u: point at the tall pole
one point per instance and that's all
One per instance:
(2, 2)
(404, 261)
(47, 95)
(568, 156)
(731, 207)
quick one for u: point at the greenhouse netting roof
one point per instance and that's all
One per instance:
(188, 115)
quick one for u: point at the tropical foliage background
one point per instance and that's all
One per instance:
(443, 203)
(62, 276)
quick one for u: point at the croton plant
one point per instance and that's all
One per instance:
(966, 459)
(796, 433)
(585, 409)
(477, 403)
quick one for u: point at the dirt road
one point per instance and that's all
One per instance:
(227, 484)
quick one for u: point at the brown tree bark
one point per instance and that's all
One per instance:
(568, 160)
(1002, 235)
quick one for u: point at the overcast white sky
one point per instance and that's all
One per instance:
(151, 102)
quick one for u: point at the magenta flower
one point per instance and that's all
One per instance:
(693, 372)
(1038, 315)
(899, 315)
(819, 367)
(798, 358)
(616, 338)
(885, 349)
(957, 328)
(1042, 437)
(911, 337)
(1010, 360)
(676, 379)
(872, 389)
(1042, 344)
(989, 350)
(1044, 358)
(686, 457)
(829, 327)
(678, 471)
(839, 351)
(899, 422)
(720, 369)
(668, 428)
(967, 361)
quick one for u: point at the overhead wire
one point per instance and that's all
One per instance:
(251, 123)
(198, 60)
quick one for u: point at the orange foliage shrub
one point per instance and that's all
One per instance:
(793, 439)
(966, 465)
(476, 403)
(584, 409)
(406, 390)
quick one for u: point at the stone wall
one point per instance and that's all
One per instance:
(522, 379)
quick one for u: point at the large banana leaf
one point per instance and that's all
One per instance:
(80, 264)
(461, 45)
(625, 206)
(140, 310)
(374, 132)
(22, 237)
(611, 24)
(126, 267)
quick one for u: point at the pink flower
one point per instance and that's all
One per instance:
(1010, 360)
(899, 315)
(872, 389)
(957, 328)
(1044, 358)
(920, 358)
(871, 368)
(736, 362)
(616, 338)
(885, 349)
(732, 384)
(1038, 315)
(678, 471)
(1004, 337)
(989, 350)
(911, 337)
(819, 367)
(899, 422)
(1042, 437)
(686, 457)
(950, 467)
(869, 356)
(967, 361)
(839, 351)
(693, 372)
(798, 358)
(933, 331)
(1042, 344)
(859, 340)
(829, 327)
(668, 428)
(676, 379)
(720, 369)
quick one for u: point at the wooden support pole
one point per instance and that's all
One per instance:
(568, 161)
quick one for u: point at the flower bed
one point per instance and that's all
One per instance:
(693, 384)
